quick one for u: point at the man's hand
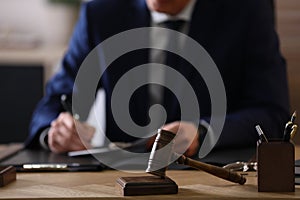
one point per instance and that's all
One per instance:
(67, 134)
(187, 139)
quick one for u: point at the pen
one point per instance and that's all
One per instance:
(262, 136)
(289, 128)
(287, 131)
(295, 126)
(293, 118)
(60, 167)
(67, 105)
(47, 166)
(293, 133)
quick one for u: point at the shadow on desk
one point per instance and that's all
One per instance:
(223, 157)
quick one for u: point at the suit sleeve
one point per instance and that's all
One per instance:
(265, 92)
(62, 82)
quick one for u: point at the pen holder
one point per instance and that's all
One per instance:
(275, 166)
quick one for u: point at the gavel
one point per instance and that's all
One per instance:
(162, 153)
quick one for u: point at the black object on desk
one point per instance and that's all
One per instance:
(275, 162)
(41, 160)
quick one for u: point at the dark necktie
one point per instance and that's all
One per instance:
(159, 95)
(172, 60)
(172, 42)
(174, 24)
(155, 91)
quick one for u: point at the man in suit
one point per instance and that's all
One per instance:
(238, 35)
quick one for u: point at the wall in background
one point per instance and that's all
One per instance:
(35, 32)
(49, 23)
(288, 26)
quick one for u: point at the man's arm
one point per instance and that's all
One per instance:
(49, 107)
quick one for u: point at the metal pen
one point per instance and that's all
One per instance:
(68, 167)
(288, 130)
(294, 115)
(50, 166)
(262, 136)
(293, 133)
(67, 105)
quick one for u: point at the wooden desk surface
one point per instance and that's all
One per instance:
(100, 185)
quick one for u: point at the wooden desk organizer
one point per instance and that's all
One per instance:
(275, 162)
(7, 175)
(145, 185)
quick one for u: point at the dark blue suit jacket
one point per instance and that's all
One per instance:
(238, 35)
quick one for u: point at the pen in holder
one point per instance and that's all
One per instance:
(275, 162)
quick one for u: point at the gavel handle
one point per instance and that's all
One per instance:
(214, 170)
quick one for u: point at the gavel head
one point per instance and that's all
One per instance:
(161, 153)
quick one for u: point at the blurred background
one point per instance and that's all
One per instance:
(34, 35)
(287, 13)
(33, 38)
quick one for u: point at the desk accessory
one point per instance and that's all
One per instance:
(165, 137)
(160, 183)
(290, 128)
(261, 134)
(145, 185)
(276, 161)
(7, 175)
(149, 185)
(275, 166)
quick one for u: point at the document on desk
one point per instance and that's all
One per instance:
(90, 151)
(118, 155)
(136, 146)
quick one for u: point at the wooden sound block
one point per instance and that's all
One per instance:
(7, 175)
(145, 185)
